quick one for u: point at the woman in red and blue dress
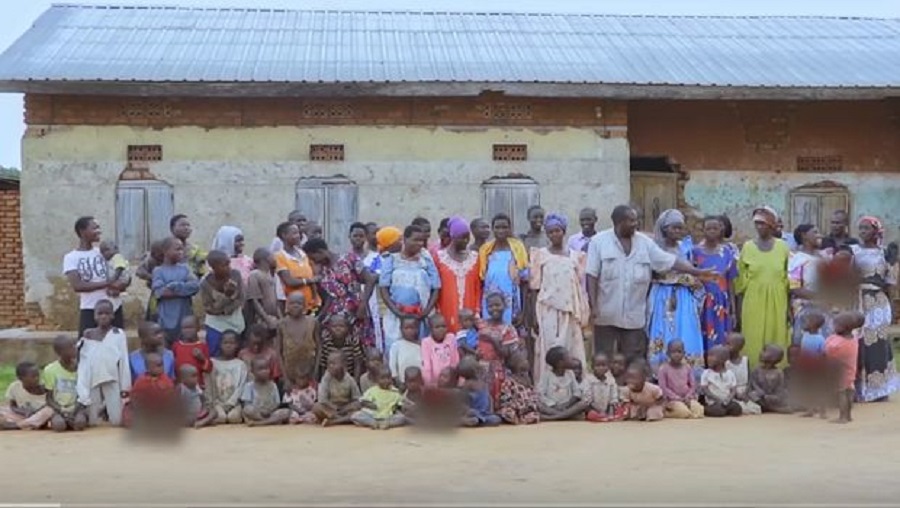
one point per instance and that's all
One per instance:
(717, 312)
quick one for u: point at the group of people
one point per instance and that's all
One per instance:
(476, 327)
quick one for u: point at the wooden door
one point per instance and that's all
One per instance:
(652, 194)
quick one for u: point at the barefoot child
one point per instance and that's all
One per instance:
(601, 389)
(104, 378)
(739, 365)
(676, 380)
(259, 347)
(406, 352)
(380, 404)
(174, 284)
(718, 385)
(842, 350)
(222, 294)
(301, 398)
(518, 401)
(467, 336)
(194, 404)
(813, 391)
(338, 396)
(297, 337)
(60, 379)
(647, 402)
(438, 351)
(480, 412)
(229, 374)
(560, 395)
(190, 350)
(260, 400)
(336, 337)
(27, 400)
(767, 387)
(153, 340)
(262, 303)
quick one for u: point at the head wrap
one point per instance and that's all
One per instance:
(457, 227)
(766, 214)
(556, 220)
(224, 239)
(874, 223)
(387, 236)
(666, 219)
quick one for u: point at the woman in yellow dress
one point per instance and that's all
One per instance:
(763, 282)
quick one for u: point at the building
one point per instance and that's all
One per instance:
(238, 116)
(12, 303)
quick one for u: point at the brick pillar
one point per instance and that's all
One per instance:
(12, 277)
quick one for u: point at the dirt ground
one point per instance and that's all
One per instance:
(768, 459)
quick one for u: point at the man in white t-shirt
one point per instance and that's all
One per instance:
(88, 274)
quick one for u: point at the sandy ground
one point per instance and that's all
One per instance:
(754, 459)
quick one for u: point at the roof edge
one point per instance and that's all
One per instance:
(459, 89)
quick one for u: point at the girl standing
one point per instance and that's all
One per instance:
(230, 240)
(503, 263)
(104, 378)
(762, 280)
(561, 307)
(675, 299)
(717, 313)
(458, 269)
(293, 267)
(877, 376)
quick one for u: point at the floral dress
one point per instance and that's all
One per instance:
(518, 402)
(715, 314)
(877, 375)
(342, 282)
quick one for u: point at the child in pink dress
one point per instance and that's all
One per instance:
(438, 352)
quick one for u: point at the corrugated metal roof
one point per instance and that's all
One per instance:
(172, 44)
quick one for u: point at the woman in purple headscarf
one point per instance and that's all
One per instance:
(459, 273)
(561, 306)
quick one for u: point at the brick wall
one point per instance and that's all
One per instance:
(12, 289)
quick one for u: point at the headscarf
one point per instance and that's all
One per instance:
(387, 236)
(874, 223)
(556, 220)
(519, 252)
(224, 239)
(766, 214)
(457, 227)
(666, 219)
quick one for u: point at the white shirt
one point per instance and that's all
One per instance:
(404, 354)
(102, 361)
(741, 371)
(623, 281)
(718, 386)
(91, 267)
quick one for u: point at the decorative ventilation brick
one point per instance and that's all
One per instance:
(144, 153)
(510, 152)
(322, 111)
(823, 164)
(147, 110)
(501, 112)
(326, 152)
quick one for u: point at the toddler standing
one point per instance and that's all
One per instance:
(718, 385)
(297, 338)
(676, 379)
(174, 284)
(262, 302)
(842, 350)
(229, 374)
(438, 352)
(812, 369)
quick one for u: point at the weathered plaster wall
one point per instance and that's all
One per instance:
(247, 177)
(737, 193)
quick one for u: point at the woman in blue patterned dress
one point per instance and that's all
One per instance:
(717, 312)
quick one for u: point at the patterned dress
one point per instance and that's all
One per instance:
(460, 286)
(715, 315)
(518, 402)
(491, 360)
(343, 282)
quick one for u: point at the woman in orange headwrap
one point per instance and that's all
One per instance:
(387, 241)
(763, 281)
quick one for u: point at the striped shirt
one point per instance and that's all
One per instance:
(353, 353)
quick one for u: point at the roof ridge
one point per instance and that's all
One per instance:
(446, 11)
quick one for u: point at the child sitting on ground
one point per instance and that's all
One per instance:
(301, 398)
(229, 374)
(467, 336)
(617, 368)
(646, 400)
(190, 350)
(338, 396)
(259, 347)
(152, 340)
(406, 352)
(767, 387)
(60, 379)
(739, 365)
(718, 385)
(601, 389)
(337, 336)
(374, 361)
(813, 391)
(194, 403)
(413, 394)
(174, 284)
(438, 352)
(842, 350)
(518, 401)
(104, 378)
(27, 400)
(676, 379)
(558, 390)
(259, 400)
(154, 405)
(480, 412)
(380, 404)
(297, 336)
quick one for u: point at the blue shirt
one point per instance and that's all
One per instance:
(468, 338)
(812, 343)
(480, 402)
(410, 281)
(181, 280)
(139, 367)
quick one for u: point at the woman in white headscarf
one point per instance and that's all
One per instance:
(675, 299)
(230, 240)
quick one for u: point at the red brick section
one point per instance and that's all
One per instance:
(12, 276)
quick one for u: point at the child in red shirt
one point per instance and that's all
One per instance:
(190, 350)
(259, 345)
(153, 403)
(842, 350)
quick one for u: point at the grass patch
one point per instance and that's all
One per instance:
(7, 376)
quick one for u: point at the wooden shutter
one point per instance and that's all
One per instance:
(342, 210)
(160, 208)
(130, 230)
(815, 206)
(512, 197)
(310, 200)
